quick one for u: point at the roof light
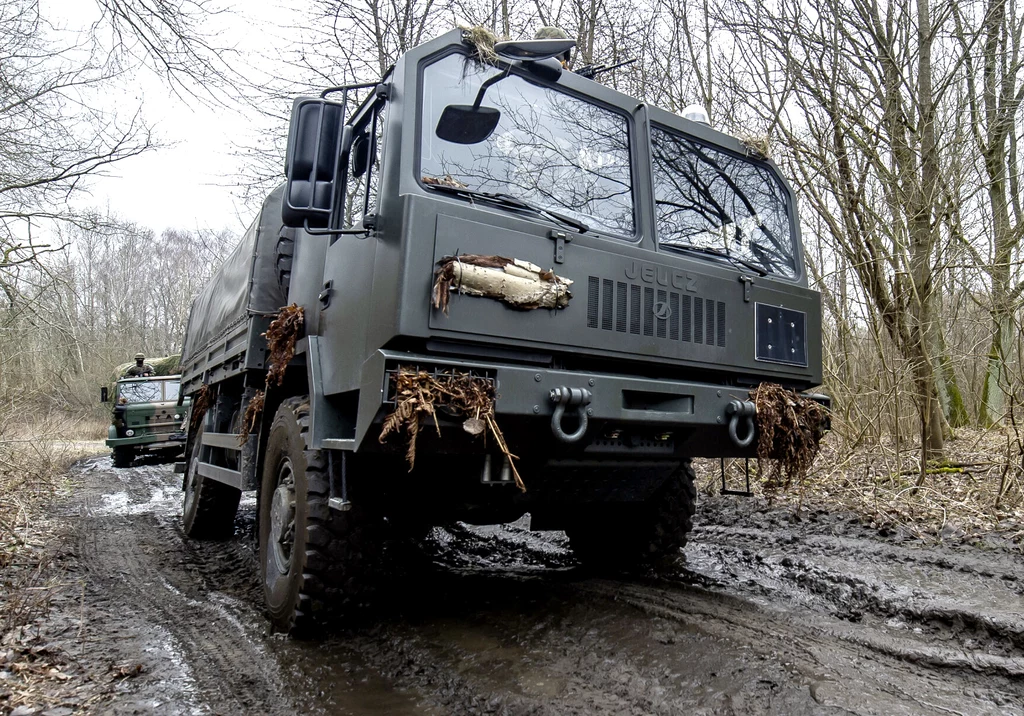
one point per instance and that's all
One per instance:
(697, 113)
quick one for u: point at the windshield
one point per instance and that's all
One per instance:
(550, 149)
(147, 391)
(709, 199)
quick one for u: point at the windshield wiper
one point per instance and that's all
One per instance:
(711, 251)
(512, 202)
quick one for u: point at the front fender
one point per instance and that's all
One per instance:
(111, 432)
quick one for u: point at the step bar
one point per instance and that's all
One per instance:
(227, 476)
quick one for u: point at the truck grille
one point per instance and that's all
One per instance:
(654, 312)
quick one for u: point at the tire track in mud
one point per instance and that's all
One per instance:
(145, 579)
(839, 675)
(693, 641)
(764, 618)
(974, 602)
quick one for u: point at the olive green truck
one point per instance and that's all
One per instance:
(146, 418)
(604, 280)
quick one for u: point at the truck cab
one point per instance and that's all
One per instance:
(637, 275)
(146, 419)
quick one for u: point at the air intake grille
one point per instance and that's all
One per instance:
(642, 310)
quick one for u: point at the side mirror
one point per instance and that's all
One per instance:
(466, 124)
(104, 397)
(470, 124)
(315, 138)
(359, 156)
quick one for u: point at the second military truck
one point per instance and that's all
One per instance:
(146, 418)
(540, 294)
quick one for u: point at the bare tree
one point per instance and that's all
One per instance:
(856, 92)
(990, 40)
(53, 131)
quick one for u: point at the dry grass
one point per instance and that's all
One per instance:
(977, 492)
(34, 460)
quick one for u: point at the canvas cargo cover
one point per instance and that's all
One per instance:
(246, 283)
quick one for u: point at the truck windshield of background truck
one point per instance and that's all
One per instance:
(147, 391)
(550, 149)
(709, 199)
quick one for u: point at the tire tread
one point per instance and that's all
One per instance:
(340, 546)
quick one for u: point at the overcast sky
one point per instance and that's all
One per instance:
(185, 184)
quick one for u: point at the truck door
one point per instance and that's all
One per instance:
(350, 258)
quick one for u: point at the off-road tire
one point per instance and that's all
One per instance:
(326, 568)
(208, 507)
(123, 457)
(647, 535)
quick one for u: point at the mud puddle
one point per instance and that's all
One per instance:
(766, 616)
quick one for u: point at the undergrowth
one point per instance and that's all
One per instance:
(34, 459)
(977, 491)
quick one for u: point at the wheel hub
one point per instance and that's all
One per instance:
(282, 521)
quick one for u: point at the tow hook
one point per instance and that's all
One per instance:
(563, 398)
(741, 410)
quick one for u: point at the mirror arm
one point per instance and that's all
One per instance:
(488, 83)
(332, 232)
(347, 88)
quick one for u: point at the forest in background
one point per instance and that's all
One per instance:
(898, 124)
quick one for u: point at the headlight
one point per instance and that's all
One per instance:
(177, 416)
(129, 433)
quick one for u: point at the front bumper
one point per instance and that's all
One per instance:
(696, 414)
(163, 441)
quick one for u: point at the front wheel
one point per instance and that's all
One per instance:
(649, 534)
(123, 457)
(311, 557)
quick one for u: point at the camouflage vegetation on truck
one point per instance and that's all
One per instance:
(147, 418)
(499, 264)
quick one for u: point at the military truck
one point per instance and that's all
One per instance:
(613, 278)
(147, 418)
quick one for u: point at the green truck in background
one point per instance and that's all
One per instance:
(146, 418)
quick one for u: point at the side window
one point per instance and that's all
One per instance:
(363, 169)
(171, 388)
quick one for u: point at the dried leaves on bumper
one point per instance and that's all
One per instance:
(418, 394)
(789, 432)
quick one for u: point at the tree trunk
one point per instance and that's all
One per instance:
(922, 237)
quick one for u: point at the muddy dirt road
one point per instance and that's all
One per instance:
(768, 615)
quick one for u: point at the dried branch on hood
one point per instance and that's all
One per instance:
(518, 283)
(417, 396)
(281, 335)
(447, 180)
